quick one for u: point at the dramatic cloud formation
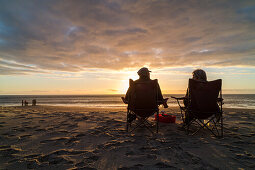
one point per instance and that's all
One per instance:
(72, 36)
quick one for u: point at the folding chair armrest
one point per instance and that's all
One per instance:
(124, 100)
(220, 99)
(164, 102)
(179, 98)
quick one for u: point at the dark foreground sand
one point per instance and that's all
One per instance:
(44, 137)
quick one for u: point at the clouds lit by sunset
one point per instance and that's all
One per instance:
(94, 47)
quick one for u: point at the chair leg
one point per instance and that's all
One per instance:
(157, 120)
(221, 126)
(218, 125)
(202, 125)
(182, 116)
(127, 127)
(187, 127)
(142, 121)
(137, 125)
(127, 124)
(215, 127)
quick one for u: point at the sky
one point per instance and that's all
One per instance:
(95, 46)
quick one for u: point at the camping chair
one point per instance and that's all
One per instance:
(142, 103)
(203, 106)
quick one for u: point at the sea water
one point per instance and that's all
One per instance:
(244, 101)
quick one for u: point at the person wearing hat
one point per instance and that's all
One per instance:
(144, 75)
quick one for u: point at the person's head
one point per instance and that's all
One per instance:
(144, 72)
(199, 74)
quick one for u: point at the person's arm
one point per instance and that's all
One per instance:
(128, 94)
(185, 101)
(160, 98)
(125, 99)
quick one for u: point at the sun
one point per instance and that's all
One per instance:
(125, 81)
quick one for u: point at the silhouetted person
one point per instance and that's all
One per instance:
(22, 103)
(26, 103)
(144, 75)
(198, 75)
(33, 102)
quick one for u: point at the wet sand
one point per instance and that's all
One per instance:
(49, 137)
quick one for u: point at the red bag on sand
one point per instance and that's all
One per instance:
(166, 118)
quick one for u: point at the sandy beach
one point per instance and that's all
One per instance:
(49, 137)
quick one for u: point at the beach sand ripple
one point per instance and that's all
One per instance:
(47, 137)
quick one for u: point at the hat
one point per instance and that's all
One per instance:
(143, 71)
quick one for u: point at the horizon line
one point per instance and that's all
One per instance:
(104, 94)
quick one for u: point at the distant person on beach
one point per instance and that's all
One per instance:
(34, 102)
(144, 75)
(25, 103)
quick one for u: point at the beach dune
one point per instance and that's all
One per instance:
(51, 137)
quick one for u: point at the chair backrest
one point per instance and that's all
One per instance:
(143, 98)
(203, 97)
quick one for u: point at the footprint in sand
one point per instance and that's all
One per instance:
(54, 159)
(23, 137)
(26, 122)
(9, 152)
(130, 153)
(246, 159)
(73, 126)
(92, 158)
(57, 139)
(68, 152)
(88, 160)
(135, 167)
(2, 123)
(40, 130)
(71, 140)
(32, 164)
(113, 113)
(50, 129)
(81, 118)
(80, 135)
(59, 157)
(84, 167)
(164, 165)
(7, 134)
(63, 131)
(32, 156)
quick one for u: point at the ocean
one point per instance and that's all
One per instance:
(244, 101)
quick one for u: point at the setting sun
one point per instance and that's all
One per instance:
(125, 81)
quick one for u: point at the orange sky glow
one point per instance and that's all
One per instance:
(95, 47)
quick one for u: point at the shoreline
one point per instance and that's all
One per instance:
(176, 108)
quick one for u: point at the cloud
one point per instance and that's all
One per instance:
(113, 90)
(73, 36)
(124, 32)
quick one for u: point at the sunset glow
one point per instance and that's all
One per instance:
(95, 47)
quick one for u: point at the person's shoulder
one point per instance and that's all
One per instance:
(155, 80)
(142, 80)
